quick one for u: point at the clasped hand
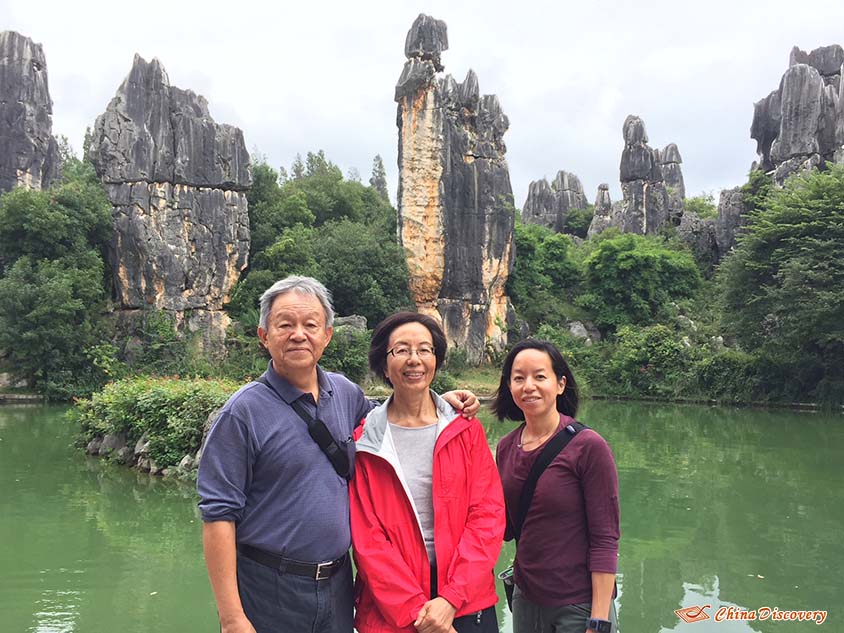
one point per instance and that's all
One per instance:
(435, 616)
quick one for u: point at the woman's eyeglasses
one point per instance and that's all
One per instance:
(404, 352)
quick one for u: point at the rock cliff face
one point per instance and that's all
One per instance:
(28, 151)
(549, 205)
(176, 181)
(800, 125)
(455, 200)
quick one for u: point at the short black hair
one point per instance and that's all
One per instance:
(381, 339)
(503, 405)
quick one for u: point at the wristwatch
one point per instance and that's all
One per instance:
(599, 626)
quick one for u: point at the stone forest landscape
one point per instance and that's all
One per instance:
(184, 197)
(574, 174)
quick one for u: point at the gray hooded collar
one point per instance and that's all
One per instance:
(377, 425)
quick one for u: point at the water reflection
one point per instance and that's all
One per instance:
(57, 613)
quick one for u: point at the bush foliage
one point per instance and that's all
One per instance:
(171, 411)
(632, 279)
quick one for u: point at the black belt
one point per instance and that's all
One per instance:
(317, 571)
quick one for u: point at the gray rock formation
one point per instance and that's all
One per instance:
(28, 152)
(731, 217)
(712, 238)
(549, 205)
(672, 173)
(155, 132)
(699, 234)
(353, 321)
(800, 125)
(645, 206)
(644, 196)
(455, 200)
(603, 216)
(176, 181)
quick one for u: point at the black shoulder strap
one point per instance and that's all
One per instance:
(551, 450)
(320, 434)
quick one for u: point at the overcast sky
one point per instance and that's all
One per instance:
(303, 76)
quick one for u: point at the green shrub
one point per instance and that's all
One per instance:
(703, 205)
(443, 382)
(729, 375)
(631, 279)
(456, 359)
(348, 353)
(172, 411)
(651, 361)
(578, 221)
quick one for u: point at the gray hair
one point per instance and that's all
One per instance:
(302, 285)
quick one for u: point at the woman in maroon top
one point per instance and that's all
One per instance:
(568, 549)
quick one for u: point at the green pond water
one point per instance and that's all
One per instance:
(722, 507)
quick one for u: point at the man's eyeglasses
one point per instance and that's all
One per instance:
(404, 352)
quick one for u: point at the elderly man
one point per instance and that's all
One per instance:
(275, 504)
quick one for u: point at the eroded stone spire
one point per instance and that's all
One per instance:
(28, 152)
(455, 200)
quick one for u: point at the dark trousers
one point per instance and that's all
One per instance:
(485, 621)
(280, 603)
(529, 617)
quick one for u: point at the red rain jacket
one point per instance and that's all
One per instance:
(393, 581)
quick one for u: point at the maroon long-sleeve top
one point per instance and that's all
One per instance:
(572, 527)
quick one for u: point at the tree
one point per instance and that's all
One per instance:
(318, 165)
(298, 168)
(631, 279)
(783, 285)
(543, 275)
(321, 225)
(50, 316)
(291, 254)
(366, 273)
(53, 288)
(578, 221)
(378, 180)
(55, 223)
(703, 205)
(274, 208)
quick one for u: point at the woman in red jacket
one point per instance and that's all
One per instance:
(427, 508)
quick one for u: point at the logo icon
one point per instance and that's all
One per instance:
(693, 614)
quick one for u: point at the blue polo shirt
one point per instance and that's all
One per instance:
(261, 469)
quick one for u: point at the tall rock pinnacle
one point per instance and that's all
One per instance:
(455, 200)
(645, 206)
(28, 152)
